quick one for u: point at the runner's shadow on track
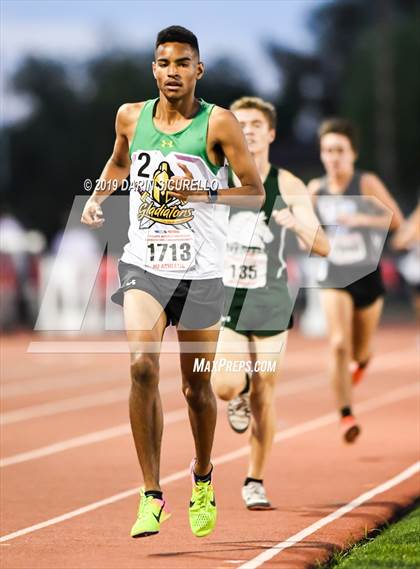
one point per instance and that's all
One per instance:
(241, 546)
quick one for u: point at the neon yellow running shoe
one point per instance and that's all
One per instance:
(151, 513)
(202, 510)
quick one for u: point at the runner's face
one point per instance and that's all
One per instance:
(337, 154)
(256, 129)
(176, 69)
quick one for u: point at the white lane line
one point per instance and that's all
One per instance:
(84, 440)
(64, 406)
(394, 396)
(124, 428)
(119, 394)
(97, 399)
(112, 396)
(58, 382)
(298, 537)
(374, 403)
(42, 367)
(67, 444)
(68, 381)
(291, 387)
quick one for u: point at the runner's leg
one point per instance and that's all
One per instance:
(145, 322)
(365, 322)
(268, 350)
(198, 392)
(226, 382)
(338, 306)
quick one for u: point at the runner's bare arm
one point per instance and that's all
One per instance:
(229, 135)
(313, 189)
(409, 232)
(117, 167)
(299, 216)
(371, 185)
(225, 134)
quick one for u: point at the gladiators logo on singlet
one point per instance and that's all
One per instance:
(160, 207)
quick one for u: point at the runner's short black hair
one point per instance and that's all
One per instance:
(177, 34)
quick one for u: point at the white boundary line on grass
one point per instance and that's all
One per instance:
(298, 537)
(374, 403)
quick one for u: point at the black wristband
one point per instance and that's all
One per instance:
(212, 195)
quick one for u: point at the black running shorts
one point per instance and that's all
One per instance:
(363, 292)
(195, 304)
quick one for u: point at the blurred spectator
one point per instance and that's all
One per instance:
(68, 278)
(19, 251)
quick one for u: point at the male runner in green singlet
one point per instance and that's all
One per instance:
(259, 308)
(175, 148)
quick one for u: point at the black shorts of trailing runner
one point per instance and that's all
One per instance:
(260, 312)
(363, 292)
(193, 304)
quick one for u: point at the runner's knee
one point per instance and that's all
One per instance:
(340, 347)
(145, 370)
(224, 389)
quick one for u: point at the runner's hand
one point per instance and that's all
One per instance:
(92, 215)
(180, 187)
(285, 218)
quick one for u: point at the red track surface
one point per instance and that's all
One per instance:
(311, 472)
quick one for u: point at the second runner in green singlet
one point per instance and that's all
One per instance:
(258, 306)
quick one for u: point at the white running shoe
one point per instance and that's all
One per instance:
(254, 496)
(239, 412)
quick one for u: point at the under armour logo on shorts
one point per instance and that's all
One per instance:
(132, 282)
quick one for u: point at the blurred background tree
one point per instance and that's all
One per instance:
(368, 54)
(364, 67)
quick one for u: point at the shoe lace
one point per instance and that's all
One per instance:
(258, 489)
(202, 492)
(240, 406)
(145, 503)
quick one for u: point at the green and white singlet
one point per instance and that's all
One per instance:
(255, 273)
(167, 237)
